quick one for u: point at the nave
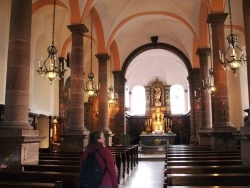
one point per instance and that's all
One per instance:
(148, 173)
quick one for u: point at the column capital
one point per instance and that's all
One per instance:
(216, 17)
(102, 57)
(203, 51)
(78, 29)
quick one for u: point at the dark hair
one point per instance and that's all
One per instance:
(93, 136)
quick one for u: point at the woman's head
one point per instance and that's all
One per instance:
(96, 137)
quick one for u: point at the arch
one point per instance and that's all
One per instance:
(150, 46)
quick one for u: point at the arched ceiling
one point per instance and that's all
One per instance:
(131, 24)
(165, 65)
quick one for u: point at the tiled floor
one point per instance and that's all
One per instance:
(149, 173)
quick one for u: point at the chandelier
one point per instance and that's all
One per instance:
(208, 83)
(229, 59)
(112, 96)
(90, 86)
(51, 68)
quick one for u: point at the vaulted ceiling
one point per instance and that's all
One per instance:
(121, 26)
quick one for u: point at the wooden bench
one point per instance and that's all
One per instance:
(62, 162)
(202, 163)
(52, 168)
(59, 162)
(205, 169)
(165, 186)
(67, 179)
(210, 157)
(226, 179)
(202, 153)
(12, 184)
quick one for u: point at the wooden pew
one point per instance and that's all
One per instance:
(205, 169)
(226, 179)
(202, 153)
(52, 168)
(63, 161)
(202, 163)
(59, 162)
(210, 157)
(67, 179)
(165, 186)
(12, 184)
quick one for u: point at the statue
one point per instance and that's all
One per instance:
(158, 122)
(157, 94)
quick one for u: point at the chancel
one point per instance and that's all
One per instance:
(158, 127)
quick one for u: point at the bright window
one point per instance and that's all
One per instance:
(138, 101)
(177, 99)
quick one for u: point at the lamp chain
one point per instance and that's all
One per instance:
(91, 45)
(110, 69)
(53, 23)
(230, 17)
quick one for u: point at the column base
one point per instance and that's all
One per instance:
(18, 147)
(205, 137)
(244, 137)
(74, 143)
(194, 140)
(223, 140)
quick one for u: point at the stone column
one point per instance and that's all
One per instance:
(19, 144)
(222, 138)
(245, 130)
(61, 94)
(75, 137)
(206, 112)
(195, 120)
(119, 86)
(103, 117)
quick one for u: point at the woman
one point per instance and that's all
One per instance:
(104, 158)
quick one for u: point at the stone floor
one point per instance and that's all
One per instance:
(149, 173)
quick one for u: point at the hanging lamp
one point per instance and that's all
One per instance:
(112, 96)
(233, 58)
(51, 68)
(208, 83)
(91, 86)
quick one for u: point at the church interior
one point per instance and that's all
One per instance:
(157, 77)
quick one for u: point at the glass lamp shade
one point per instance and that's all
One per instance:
(232, 62)
(90, 86)
(51, 68)
(112, 96)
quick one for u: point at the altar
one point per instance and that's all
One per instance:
(157, 141)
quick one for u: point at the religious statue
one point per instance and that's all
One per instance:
(157, 94)
(158, 122)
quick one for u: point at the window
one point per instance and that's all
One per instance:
(177, 99)
(138, 106)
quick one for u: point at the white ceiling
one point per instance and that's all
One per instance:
(160, 63)
(130, 24)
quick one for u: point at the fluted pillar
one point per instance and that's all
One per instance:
(19, 144)
(206, 112)
(222, 138)
(103, 118)
(75, 137)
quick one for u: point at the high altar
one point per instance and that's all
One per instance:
(158, 126)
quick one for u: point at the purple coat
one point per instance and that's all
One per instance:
(110, 177)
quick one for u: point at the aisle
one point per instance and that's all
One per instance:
(148, 174)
